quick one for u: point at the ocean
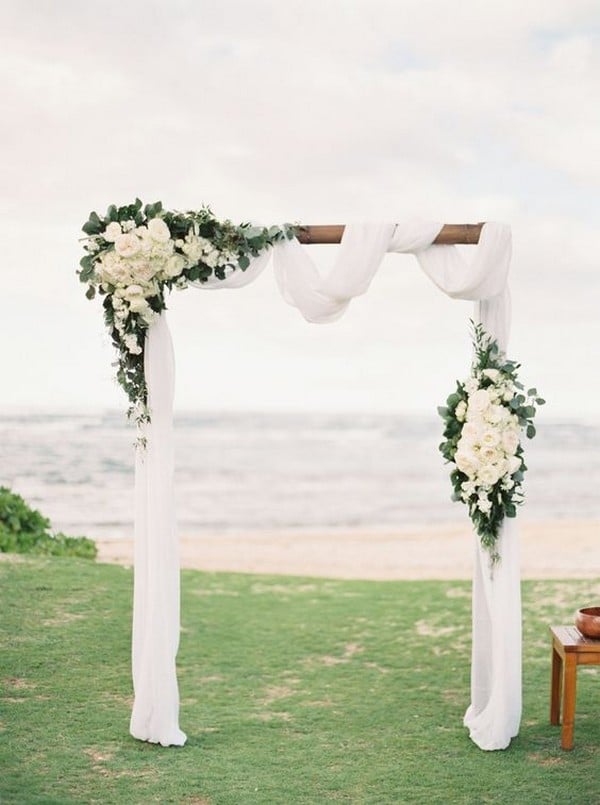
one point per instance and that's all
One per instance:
(249, 472)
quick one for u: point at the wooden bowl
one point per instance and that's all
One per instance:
(587, 620)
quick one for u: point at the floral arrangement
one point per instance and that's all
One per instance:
(135, 253)
(484, 419)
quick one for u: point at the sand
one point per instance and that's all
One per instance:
(559, 549)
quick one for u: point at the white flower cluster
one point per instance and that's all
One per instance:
(141, 257)
(489, 440)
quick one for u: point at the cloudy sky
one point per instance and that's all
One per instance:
(316, 111)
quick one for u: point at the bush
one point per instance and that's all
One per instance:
(25, 530)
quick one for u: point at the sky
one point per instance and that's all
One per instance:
(316, 112)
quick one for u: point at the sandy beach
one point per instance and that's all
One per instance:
(560, 549)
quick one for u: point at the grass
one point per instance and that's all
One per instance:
(293, 691)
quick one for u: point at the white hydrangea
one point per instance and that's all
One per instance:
(131, 344)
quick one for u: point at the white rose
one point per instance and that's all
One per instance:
(127, 245)
(489, 474)
(510, 441)
(112, 232)
(466, 462)
(471, 431)
(508, 395)
(489, 455)
(490, 438)
(158, 230)
(479, 401)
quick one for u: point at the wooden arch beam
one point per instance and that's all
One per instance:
(332, 233)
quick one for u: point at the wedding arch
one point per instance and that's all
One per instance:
(133, 254)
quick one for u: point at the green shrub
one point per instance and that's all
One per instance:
(25, 530)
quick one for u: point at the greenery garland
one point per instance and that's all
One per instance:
(484, 419)
(135, 253)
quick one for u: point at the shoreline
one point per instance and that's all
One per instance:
(555, 549)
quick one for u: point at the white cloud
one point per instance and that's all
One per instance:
(300, 110)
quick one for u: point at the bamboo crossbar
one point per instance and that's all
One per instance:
(332, 233)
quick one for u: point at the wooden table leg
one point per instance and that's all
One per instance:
(555, 689)
(569, 697)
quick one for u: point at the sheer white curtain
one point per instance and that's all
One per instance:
(494, 714)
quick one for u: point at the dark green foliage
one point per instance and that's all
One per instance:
(25, 530)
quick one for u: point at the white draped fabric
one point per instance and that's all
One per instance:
(494, 713)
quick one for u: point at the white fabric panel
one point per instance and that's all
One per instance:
(324, 298)
(494, 714)
(155, 639)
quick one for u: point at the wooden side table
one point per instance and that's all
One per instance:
(569, 649)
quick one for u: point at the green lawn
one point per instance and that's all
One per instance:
(293, 691)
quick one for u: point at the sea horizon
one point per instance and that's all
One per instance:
(278, 472)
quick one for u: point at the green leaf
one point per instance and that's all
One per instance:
(253, 232)
(244, 262)
(540, 401)
(532, 392)
(530, 431)
(93, 226)
(91, 292)
(442, 411)
(87, 268)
